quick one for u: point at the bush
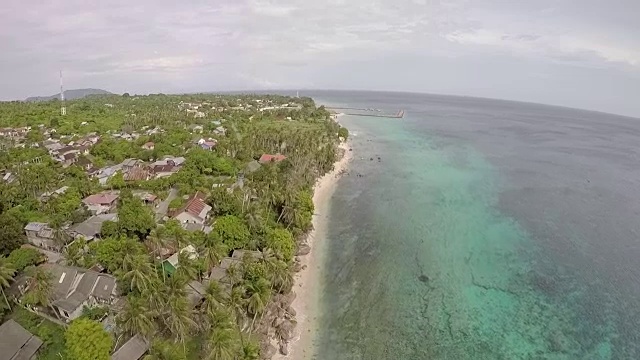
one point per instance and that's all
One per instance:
(343, 133)
(22, 257)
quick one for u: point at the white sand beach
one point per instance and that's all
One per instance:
(307, 281)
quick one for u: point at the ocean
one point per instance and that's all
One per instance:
(482, 229)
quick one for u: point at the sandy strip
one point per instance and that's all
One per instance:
(307, 281)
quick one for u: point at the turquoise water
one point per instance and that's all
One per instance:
(439, 250)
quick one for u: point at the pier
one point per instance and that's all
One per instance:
(366, 112)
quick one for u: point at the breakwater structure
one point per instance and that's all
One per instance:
(367, 112)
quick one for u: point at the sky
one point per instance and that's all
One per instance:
(576, 53)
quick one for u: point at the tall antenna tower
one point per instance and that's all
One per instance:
(63, 109)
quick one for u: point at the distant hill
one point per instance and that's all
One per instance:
(70, 94)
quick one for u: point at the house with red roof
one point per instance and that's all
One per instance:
(267, 158)
(194, 211)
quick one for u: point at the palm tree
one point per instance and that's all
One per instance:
(40, 288)
(137, 270)
(6, 275)
(162, 350)
(136, 318)
(250, 351)
(221, 344)
(178, 319)
(186, 267)
(157, 242)
(74, 253)
(259, 292)
(214, 298)
(213, 251)
(281, 277)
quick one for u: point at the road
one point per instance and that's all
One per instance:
(161, 209)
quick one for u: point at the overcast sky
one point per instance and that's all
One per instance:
(578, 53)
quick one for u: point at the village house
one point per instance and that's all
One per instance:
(208, 144)
(196, 128)
(101, 203)
(48, 195)
(43, 236)
(16, 343)
(171, 264)
(129, 164)
(91, 228)
(164, 170)
(146, 197)
(75, 288)
(84, 163)
(220, 131)
(69, 159)
(148, 146)
(53, 146)
(137, 173)
(267, 158)
(105, 173)
(195, 210)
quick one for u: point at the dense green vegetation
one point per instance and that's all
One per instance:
(267, 210)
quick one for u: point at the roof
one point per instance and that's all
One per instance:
(63, 278)
(100, 199)
(93, 225)
(195, 206)
(193, 254)
(239, 254)
(195, 292)
(130, 162)
(219, 273)
(69, 156)
(136, 174)
(83, 161)
(16, 343)
(35, 226)
(163, 168)
(104, 287)
(132, 349)
(252, 166)
(72, 286)
(265, 158)
(146, 196)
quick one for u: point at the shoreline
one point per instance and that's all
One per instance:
(306, 282)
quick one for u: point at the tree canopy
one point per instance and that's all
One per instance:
(86, 339)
